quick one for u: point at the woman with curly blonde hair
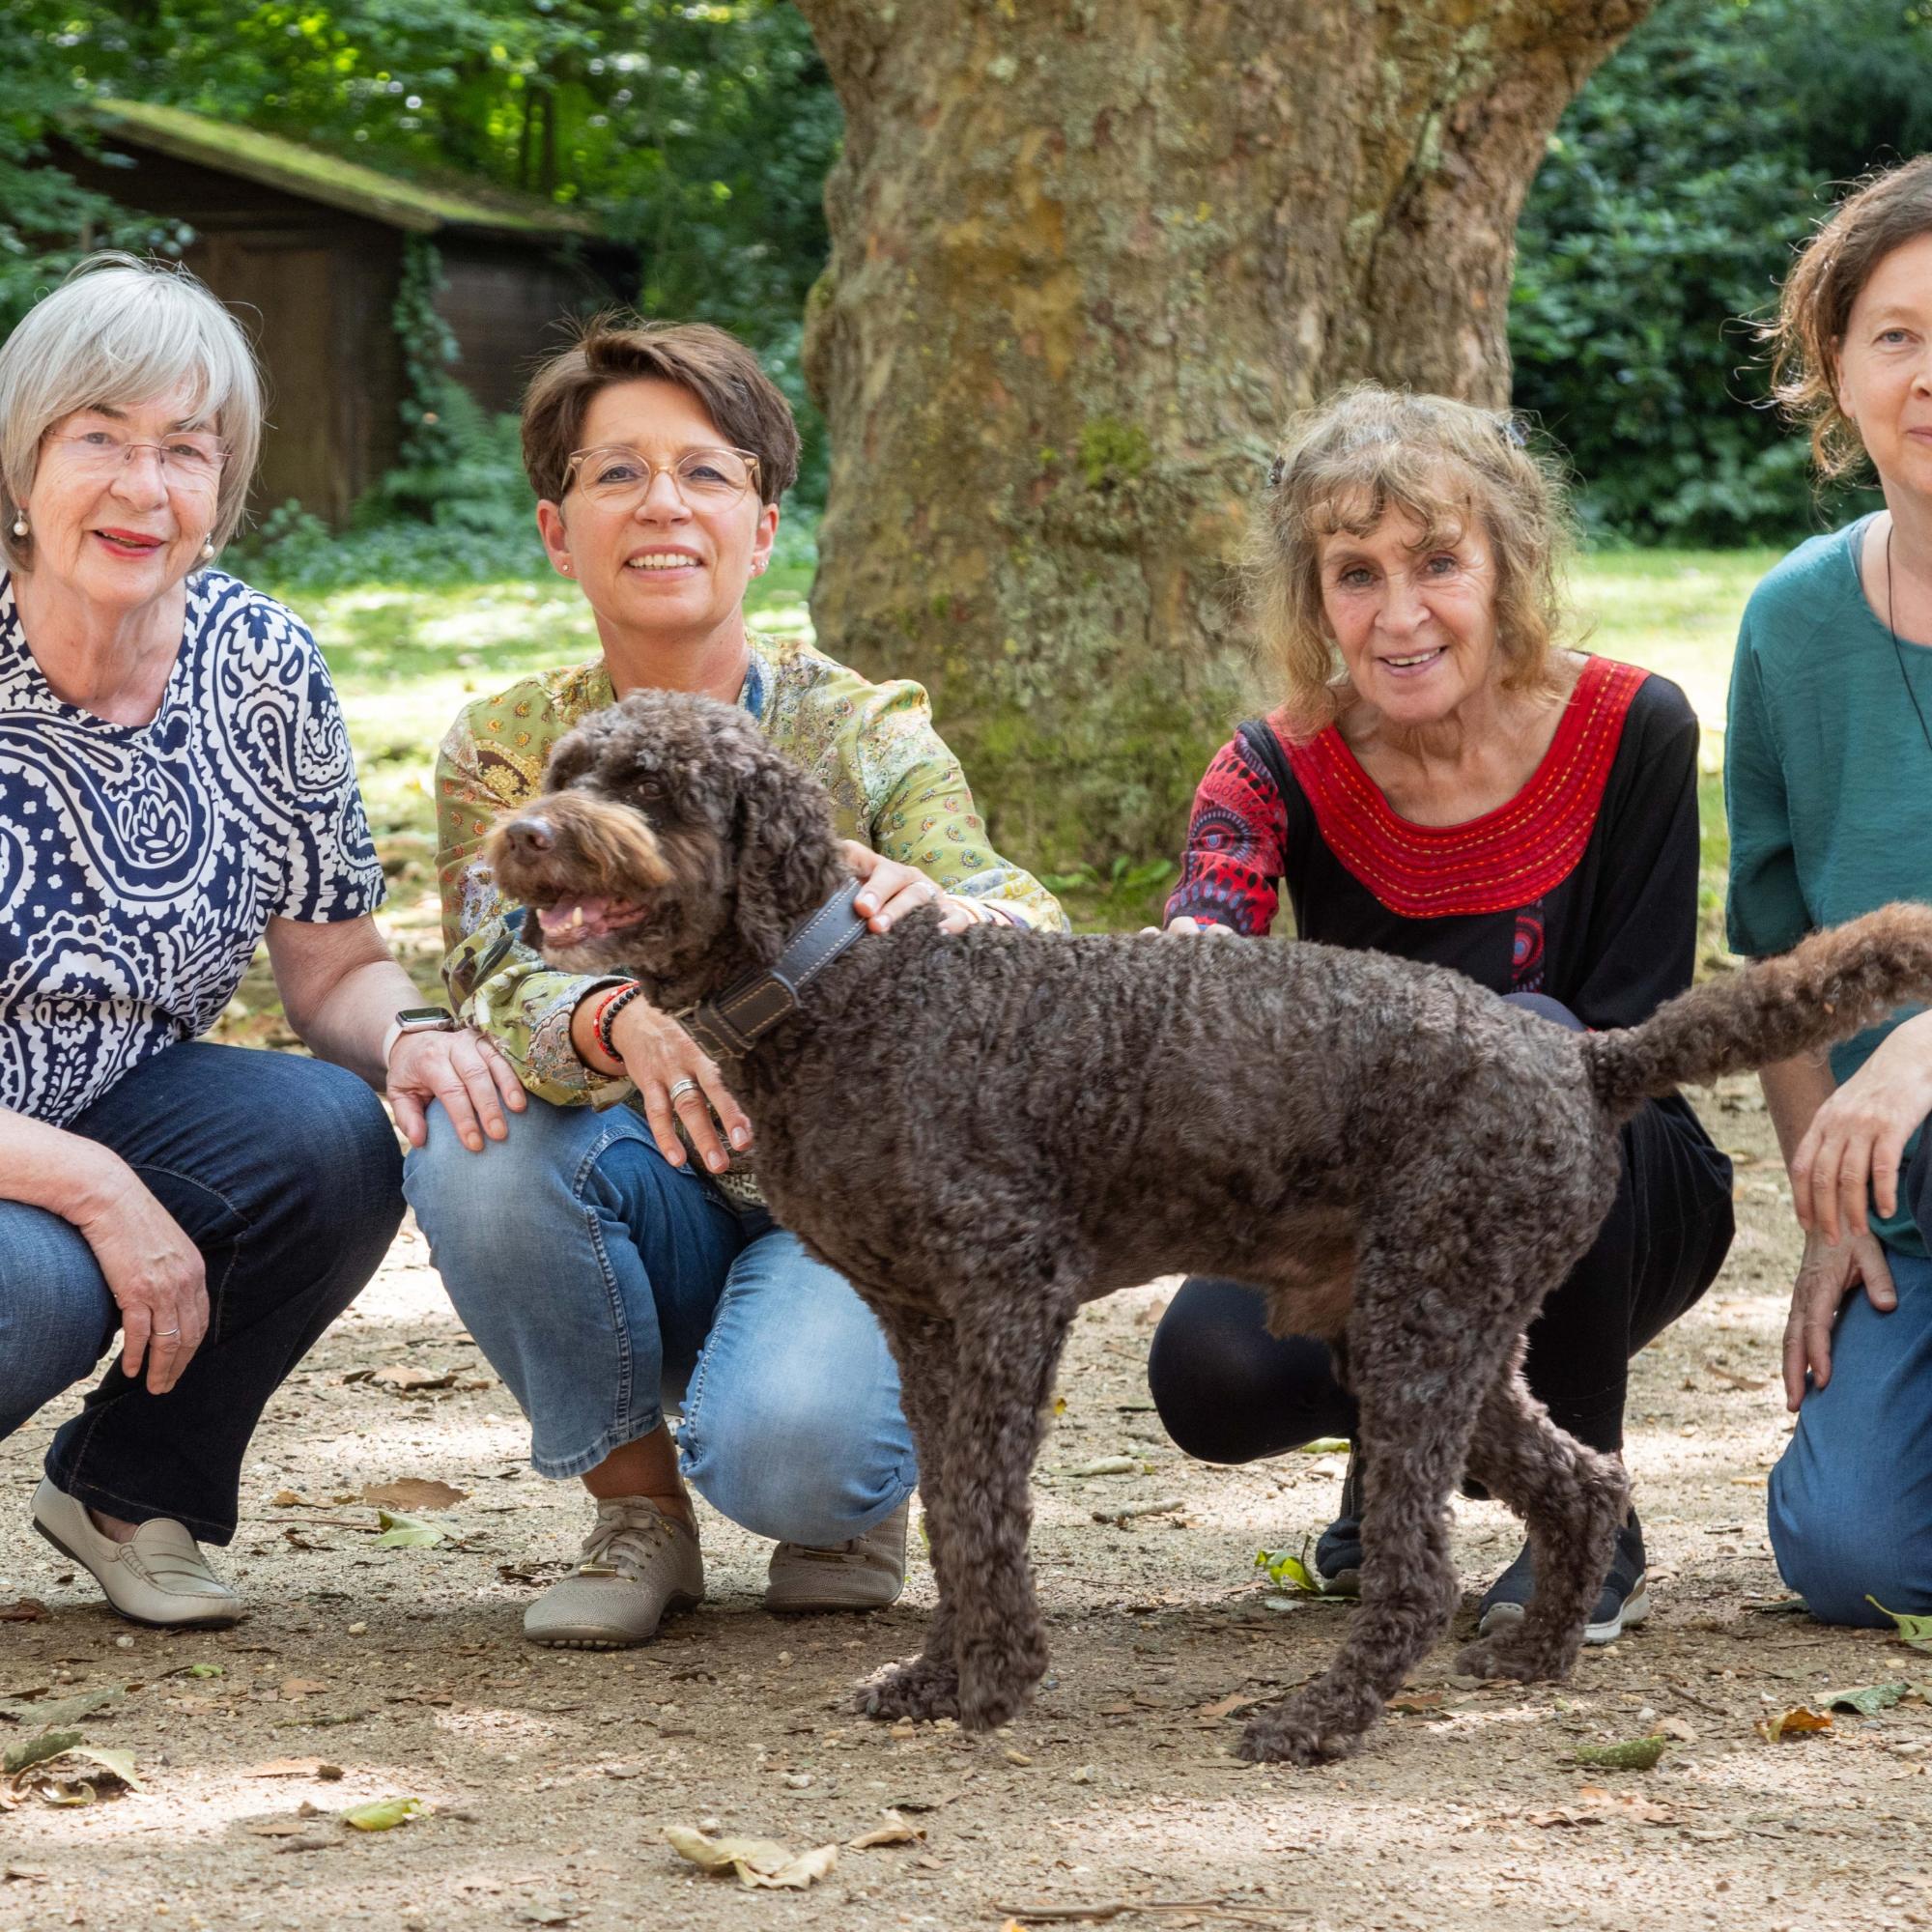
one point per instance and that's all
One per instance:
(1828, 765)
(1445, 781)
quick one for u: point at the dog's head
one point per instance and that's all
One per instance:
(671, 843)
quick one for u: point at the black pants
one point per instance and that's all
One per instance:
(284, 1173)
(1228, 1391)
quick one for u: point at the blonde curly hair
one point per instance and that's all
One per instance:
(1883, 211)
(1369, 452)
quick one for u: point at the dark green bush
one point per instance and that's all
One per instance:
(1675, 190)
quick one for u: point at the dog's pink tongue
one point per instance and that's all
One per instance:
(568, 915)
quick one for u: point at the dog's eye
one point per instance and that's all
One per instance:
(647, 785)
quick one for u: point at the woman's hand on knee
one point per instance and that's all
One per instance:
(892, 891)
(678, 1082)
(157, 1277)
(1829, 1272)
(467, 1072)
(1188, 927)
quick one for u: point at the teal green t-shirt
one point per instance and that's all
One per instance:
(1828, 774)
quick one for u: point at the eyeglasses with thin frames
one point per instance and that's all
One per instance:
(617, 478)
(187, 458)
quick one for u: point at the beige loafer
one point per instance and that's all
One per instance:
(866, 1573)
(160, 1577)
(640, 1565)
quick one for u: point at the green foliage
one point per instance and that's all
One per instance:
(700, 133)
(48, 220)
(1672, 195)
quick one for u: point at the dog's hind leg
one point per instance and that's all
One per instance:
(1420, 1357)
(1572, 1498)
(1008, 1349)
(925, 1685)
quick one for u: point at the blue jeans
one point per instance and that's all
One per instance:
(602, 1283)
(283, 1172)
(1850, 1503)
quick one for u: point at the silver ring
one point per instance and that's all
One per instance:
(166, 1334)
(680, 1087)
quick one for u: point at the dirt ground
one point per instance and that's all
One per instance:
(549, 1778)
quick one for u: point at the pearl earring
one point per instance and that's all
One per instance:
(207, 549)
(20, 524)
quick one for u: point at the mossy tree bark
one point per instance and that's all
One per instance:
(1086, 256)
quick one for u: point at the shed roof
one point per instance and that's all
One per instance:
(315, 176)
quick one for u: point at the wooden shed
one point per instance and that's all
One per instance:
(308, 249)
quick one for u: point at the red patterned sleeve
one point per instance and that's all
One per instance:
(1234, 848)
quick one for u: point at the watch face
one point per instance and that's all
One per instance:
(422, 1016)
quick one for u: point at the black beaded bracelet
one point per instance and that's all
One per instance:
(606, 1015)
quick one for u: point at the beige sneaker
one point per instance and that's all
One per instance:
(866, 1573)
(159, 1578)
(639, 1564)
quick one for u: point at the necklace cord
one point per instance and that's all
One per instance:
(1898, 649)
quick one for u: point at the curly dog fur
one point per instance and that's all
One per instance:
(983, 1132)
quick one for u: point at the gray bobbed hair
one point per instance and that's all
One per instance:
(123, 332)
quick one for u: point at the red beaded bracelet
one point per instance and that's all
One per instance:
(611, 1005)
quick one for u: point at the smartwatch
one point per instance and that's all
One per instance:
(416, 1019)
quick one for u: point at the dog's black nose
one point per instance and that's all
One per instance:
(530, 834)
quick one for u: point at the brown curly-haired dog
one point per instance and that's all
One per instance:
(983, 1132)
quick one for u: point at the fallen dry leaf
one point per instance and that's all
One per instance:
(760, 1863)
(1224, 1707)
(1564, 1814)
(302, 1687)
(279, 1827)
(407, 1382)
(414, 1493)
(1799, 1723)
(1631, 1804)
(26, 1610)
(898, 1829)
(297, 1767)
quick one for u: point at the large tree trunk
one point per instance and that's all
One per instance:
(1086, 256)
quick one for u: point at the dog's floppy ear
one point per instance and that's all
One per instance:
(785, 842)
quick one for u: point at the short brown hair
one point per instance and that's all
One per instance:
(716, 368)
(1883, 211)
(1348, 463)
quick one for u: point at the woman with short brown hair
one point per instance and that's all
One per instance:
(614, 1255)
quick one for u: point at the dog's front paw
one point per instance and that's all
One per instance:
(921, 1688)
(1293, 1733)
(1507, 1656)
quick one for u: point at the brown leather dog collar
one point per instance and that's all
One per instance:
(730, 1026)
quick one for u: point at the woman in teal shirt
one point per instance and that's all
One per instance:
(1828, 780)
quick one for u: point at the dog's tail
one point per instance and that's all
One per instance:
(1824, 990)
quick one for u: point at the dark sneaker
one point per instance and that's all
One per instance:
(1622, 1601)
(1338, 1554)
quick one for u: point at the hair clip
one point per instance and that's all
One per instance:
(1277, 469)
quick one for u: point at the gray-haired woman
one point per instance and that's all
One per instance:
(175, 786)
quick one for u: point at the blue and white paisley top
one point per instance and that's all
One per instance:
(140, 865)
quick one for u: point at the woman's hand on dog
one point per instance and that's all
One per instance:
(893, 890)
(466, 1072)
(657, 1054)
(1829, 1272)
(1186, 925)
(1857, 1139)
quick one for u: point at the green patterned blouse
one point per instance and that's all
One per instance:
(894, 787)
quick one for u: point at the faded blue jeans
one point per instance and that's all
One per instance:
(283, 1173)
(1850, 1503)
(604, 1283)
